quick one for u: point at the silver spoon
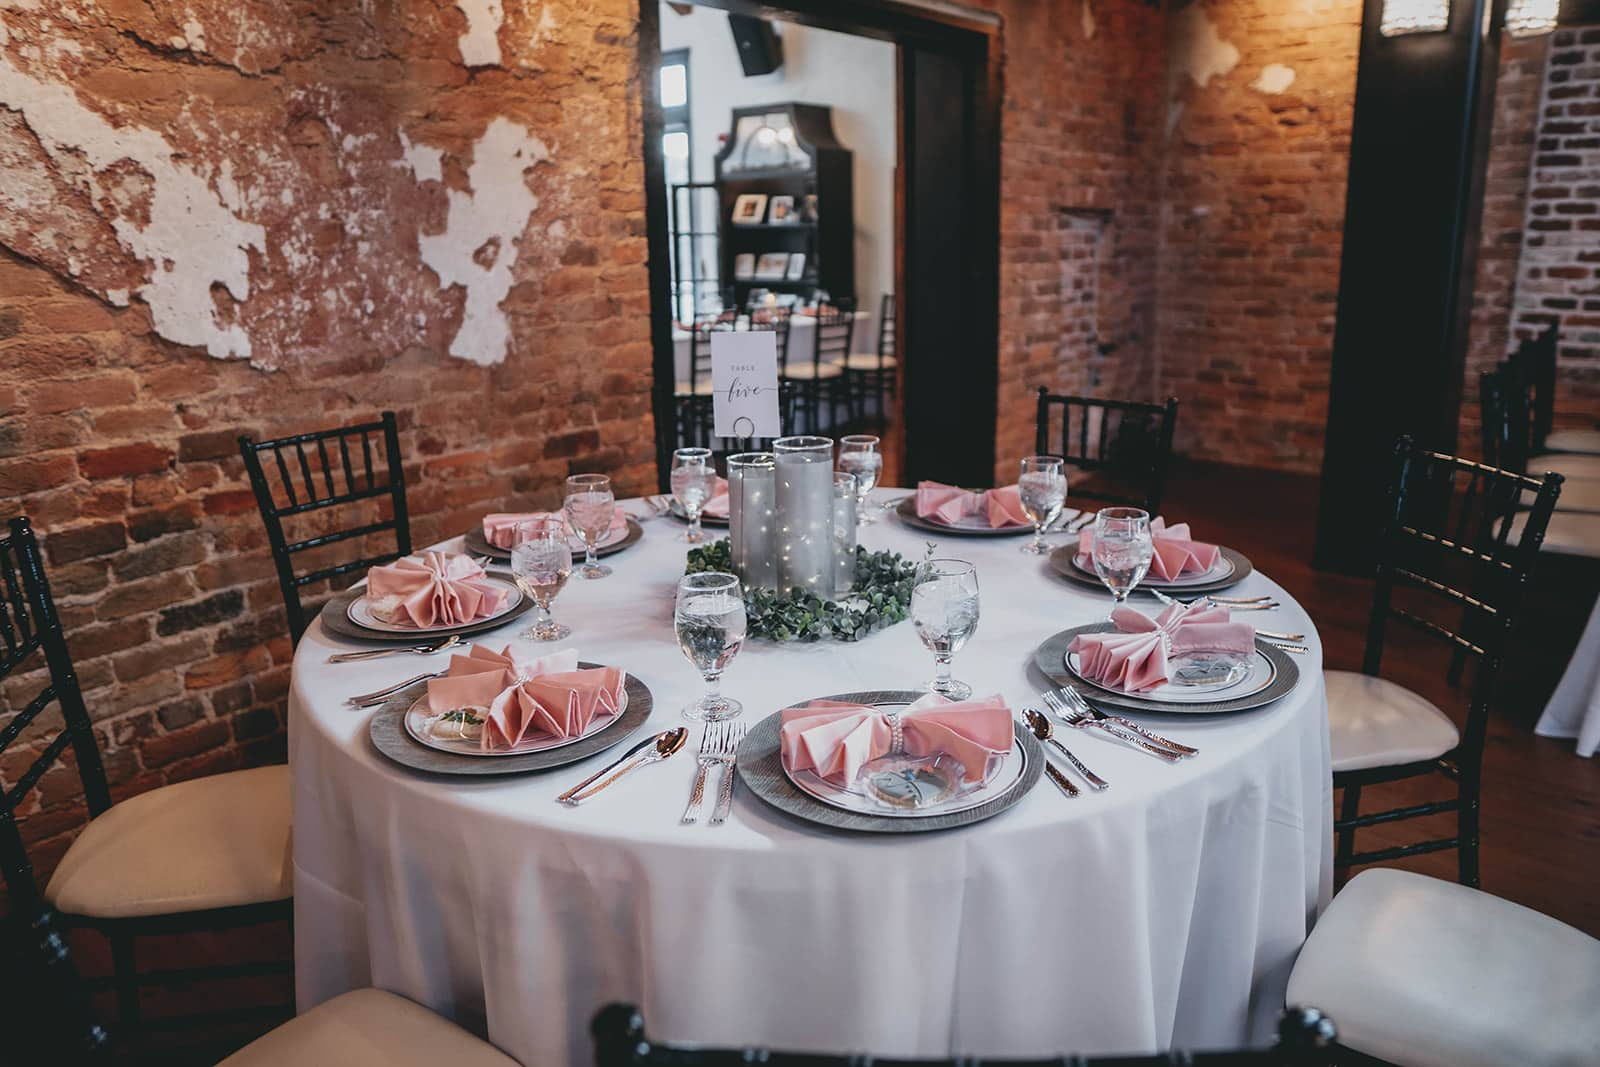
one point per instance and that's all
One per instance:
(664, 744)
(377, 653)
(1042, 730)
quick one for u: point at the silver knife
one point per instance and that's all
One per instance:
(602, 772)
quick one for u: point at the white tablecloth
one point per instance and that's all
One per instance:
(1574, 708)
(1166, 910)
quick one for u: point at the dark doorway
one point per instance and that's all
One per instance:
(947, 277)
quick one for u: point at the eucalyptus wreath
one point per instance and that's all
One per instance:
(881, 597)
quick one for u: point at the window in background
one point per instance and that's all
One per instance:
(677, 147)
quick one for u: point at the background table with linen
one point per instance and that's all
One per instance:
(1165, 911)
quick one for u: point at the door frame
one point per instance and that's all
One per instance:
(964, 449)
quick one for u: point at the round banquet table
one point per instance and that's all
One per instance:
(1165, 911)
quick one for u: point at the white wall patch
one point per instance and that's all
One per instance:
(480, 45)
(1274, 78)
(1196, 49)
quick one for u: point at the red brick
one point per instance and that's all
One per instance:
(142, 458)
(85, 393)
(235, 502)
(65, 546)
(18, 477)
(164, 748)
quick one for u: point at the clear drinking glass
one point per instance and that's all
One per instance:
(541, 562)
(710, 624)
(944, 612)
(693, 477)
(859, 455)
(1042, 487)
(589, 506)
(1122, 549)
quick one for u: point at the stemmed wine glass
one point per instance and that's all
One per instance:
(1122, 549)
(859, 455)
(944, 612)
(541, 561)
(710, 623)
(1042, 488)
(692, 479)
(589, 507)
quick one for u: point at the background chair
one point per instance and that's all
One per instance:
(872, 375)
(723, 447)
(328, 480)
(1425, 973)
(1505, 417)
(1444, 549)
(821, 378)
(1125, 447)
(1304, 1036)
(206, 854)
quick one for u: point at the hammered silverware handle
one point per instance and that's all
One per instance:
(1060, 779)
(1288, 646)
(371, 653)
(1166, 742)
(1135, 740)
(577, 796)
(719, 814)
(607, 769)
(697, 795)
(1094, 780)
(378, 696)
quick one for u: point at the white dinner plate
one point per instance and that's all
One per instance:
(1220, 571)
(361, 613)
(1260, 676)
(418, 716)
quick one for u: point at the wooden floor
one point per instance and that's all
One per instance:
(1541, 837)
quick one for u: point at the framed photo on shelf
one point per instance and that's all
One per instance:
(780, 212)
(744, 266)
(797, 267)
(749, 209)
(772, 266)
(808, 210)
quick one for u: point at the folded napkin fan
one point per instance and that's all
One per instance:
(500, 528)
(950, 504)
(716, 504)
(1136, 656)
(527, 696)
(1175, 555)
(433, 589)
(835, 739)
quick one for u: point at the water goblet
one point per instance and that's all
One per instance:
(541, 562)
(709, 621)
(693, 477)
(944, 612)
(1122, 549)
(859, 455)
(590, 506)
(1042, 488)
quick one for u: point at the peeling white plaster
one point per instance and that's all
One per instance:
(426, 163)
(496, 208)
(1274, 78)
(194, 35)
(192, 239)
(1087, 20)
(480, 45)
(1196, 49)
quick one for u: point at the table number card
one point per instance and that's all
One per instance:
(744, 382)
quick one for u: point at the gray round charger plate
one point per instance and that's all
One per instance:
(478, 545)
(1050, 658)
(336, 620)
(388, 732)
(907, 510)
(1061, 563)
(761, 771)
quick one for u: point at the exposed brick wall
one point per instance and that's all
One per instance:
(1253, 216)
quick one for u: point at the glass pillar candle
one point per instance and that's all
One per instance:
(804, 514)
(752, 520)
(844, 534)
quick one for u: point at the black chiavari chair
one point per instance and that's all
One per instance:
(821, 378)
(1535, 361)
(872, 375)
(723, 447)
(1124, 446)
(1305, 1036)
(205, 854)
(1444, 548)
(332, 484)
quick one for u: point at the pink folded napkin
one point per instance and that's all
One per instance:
(834, 740)
(500, 528)
(433, 589)
(716, 505)
(523, 696)
(1176, 553)
(475, 677)
(950, 504)
(1135, 657)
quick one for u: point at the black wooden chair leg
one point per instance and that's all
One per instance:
(126, 967)
(1349, 808)
(1467, 834)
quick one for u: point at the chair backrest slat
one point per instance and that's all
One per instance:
(1127, 442)
(328, 496)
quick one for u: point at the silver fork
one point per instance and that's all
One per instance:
(1071, 709)
(1076, 702)
(712, 741)
(735, 736)
(378, 653)
(1264, 603)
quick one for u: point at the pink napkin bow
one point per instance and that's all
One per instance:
(500, 528)
(1176, 553)
(834, 740)
(950, 504)
(525, 695)
(432, 589)
(1136, 657)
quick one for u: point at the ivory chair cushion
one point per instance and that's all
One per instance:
(1577, 494)
(806, 372)
(1427, 973)
(1566, 464)
(1573, 441)
(368, 1028)
(866, 361)
(213, 842)
(1570, 533)
(1376, 723)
